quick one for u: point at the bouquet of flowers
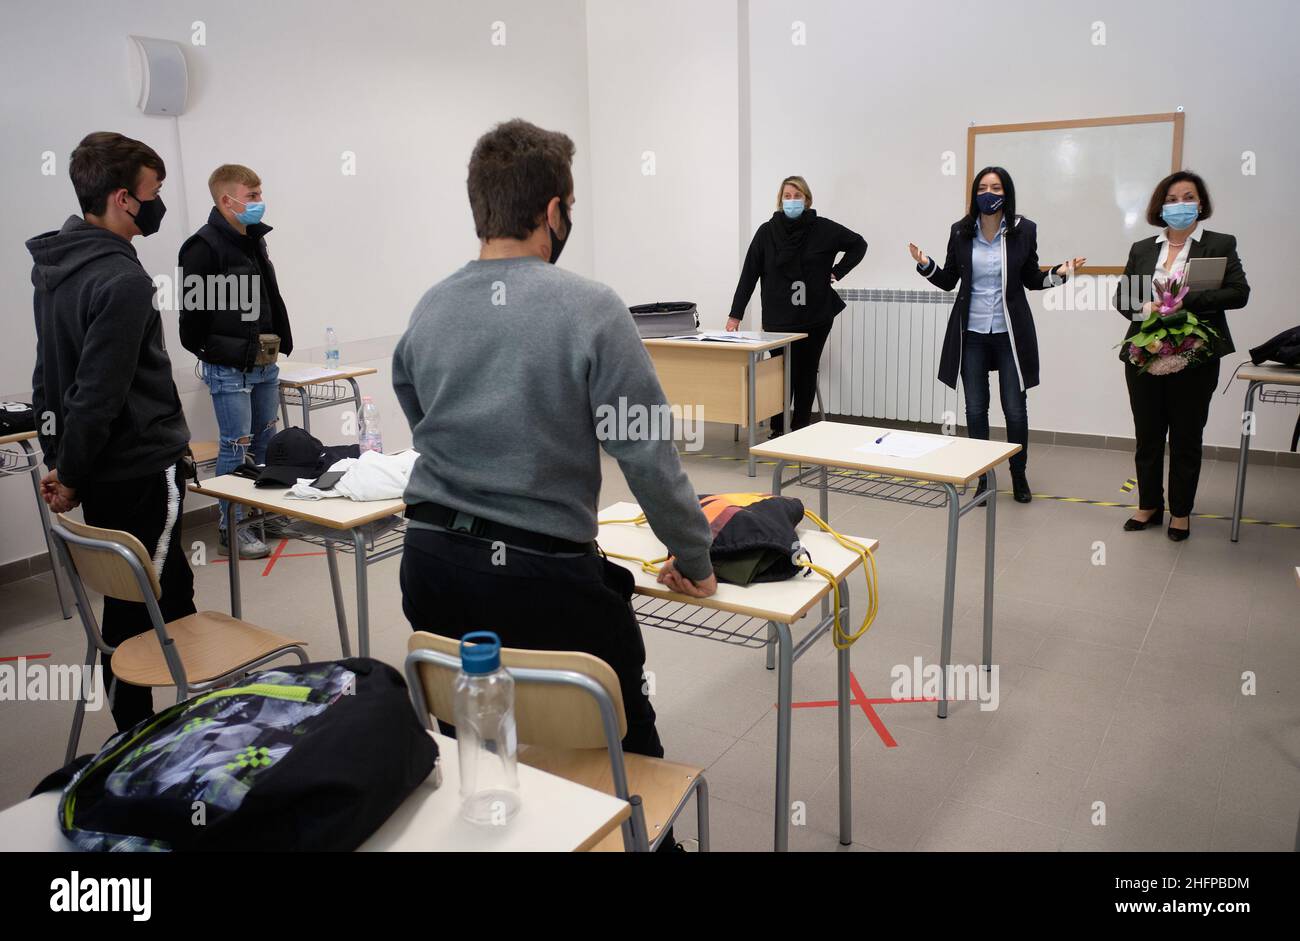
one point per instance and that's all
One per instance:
(1170, 339)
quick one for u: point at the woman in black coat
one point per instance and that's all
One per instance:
(1177, 403)
(993, 253)
(794, 254)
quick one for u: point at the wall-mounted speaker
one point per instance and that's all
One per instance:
(164, 79)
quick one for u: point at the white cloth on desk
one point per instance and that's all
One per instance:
(373, 476)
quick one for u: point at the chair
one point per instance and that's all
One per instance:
(195, 653)
(570, 722)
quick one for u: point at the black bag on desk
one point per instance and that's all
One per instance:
(306, 757)
(1283, 348)
(16, 417)
(665, 319)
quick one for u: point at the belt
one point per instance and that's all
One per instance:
(457, 521)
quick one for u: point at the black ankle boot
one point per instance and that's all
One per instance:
(1020, 487)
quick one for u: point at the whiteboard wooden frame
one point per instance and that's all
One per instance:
(1176, 161)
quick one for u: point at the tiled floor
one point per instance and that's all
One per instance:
(1121, 685)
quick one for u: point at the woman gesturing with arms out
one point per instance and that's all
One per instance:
(993, 254)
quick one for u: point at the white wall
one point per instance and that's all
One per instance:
(866, 109)
(285, 88)
(663, 78)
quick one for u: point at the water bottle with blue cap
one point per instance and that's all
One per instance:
(485, 732)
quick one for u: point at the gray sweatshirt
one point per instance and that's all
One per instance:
(505, 372)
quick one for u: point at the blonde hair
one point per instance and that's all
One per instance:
(798, 183)
(231, 173)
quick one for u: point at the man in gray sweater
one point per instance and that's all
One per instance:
(506, 372)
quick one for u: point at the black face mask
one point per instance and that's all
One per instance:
(150, 216)
(557, 243)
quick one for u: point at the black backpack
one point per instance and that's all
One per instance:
(306, 757)
(16, 417)
(1283, 348)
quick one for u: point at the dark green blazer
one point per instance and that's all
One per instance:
(1209, 306)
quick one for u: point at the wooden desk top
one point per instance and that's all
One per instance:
(1281, 375)
(785, 602)
(16, 437)
(555, 815)
(833, 444)
(334, 512)
(747, 347)
(318, 375)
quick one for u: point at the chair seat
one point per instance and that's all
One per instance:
(210, 644)
(205, 452)
(661, 784)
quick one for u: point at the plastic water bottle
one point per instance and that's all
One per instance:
(485, 732)
(331, 348)
(371, 438)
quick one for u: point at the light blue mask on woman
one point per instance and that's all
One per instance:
(1179, 215)
(252, 213)
(793, 208)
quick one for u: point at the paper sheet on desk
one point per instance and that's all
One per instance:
(899, 444)
(725, 336)
(306, 374)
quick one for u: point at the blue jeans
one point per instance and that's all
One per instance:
(246, 404)
(984, 353)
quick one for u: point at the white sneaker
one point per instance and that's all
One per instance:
(250, 547)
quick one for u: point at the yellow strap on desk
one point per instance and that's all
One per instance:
(839, 637)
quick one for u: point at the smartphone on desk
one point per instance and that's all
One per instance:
(327, 480)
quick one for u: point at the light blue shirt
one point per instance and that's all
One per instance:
(986, 310)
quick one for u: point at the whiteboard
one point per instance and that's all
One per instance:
(1086, 184)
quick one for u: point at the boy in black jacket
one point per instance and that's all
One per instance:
(228, 330)
(102, 373)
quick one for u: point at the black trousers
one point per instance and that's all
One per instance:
(147, 508)
(451, 586)
(806, 356)
(1177, 405)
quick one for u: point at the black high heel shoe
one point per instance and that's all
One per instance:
(1133, 525)
(1178, 535)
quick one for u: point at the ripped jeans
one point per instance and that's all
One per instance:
(246, 404)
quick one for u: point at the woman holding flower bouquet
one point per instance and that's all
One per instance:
(1172, 348)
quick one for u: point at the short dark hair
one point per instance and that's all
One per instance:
(516, 169)
(1162, 191)
(105, 162)
(1008, 202)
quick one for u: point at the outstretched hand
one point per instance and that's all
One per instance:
(918, 256)
(1067, 270)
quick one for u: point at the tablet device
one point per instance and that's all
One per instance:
(327, 480)
(1205, 274)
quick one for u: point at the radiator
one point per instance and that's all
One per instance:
(882, 357)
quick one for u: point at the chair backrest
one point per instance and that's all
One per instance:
(557, 715)
(97, 556)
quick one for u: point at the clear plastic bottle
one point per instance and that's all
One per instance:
(369, 433)
(485, 732)
(331, 348)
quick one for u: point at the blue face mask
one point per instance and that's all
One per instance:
(252, 213)
(793, 208)
(988, 203)
(1180, 215)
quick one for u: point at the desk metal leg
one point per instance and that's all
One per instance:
(1247, 424)
(356, 400)
(949, 590)
(824, 506)
(990, 535)
(306, 408)
(232, 537)
(284, 409)
(363, 596)
(340, 612)
(842, 707)
(784, 700)
(753, 407)
(56, 570)
(786, 391)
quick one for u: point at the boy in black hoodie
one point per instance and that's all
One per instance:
(102, 373)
